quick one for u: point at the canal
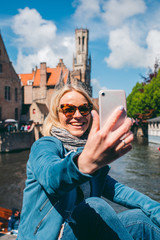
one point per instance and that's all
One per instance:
(140, 169)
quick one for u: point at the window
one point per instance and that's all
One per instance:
(29, 82)
(0, 113)
(34, 111)
(7, 93)
(16, 94)
(83, 40)
(0, 68)
(79, 40)
(83, 43)
(16, 113)
(0, 52)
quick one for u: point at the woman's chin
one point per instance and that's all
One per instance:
(77, 132)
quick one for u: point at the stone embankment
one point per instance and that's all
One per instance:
(13, 141)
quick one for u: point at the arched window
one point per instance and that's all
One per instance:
(83, 38)
(79, 40)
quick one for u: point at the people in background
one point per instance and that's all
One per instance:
(13, 222)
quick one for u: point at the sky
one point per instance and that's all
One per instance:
(124, 37)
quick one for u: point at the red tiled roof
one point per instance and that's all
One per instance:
(36, 78)
(25, 77)
(53, 75)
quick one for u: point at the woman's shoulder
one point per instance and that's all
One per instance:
(47, 141)
(46, 146)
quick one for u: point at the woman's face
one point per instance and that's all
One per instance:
(77, 124)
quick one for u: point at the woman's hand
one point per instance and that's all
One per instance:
(105, 145)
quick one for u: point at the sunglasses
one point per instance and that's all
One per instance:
(69, 109)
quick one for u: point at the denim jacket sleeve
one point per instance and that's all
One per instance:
(56, 172)
(131, 198)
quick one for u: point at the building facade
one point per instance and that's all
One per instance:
(154, 130)
(10, 87)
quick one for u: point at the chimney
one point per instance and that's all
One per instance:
(43, 74)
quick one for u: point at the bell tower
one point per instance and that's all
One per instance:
(81, 60)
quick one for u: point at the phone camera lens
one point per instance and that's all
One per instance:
(103, 94)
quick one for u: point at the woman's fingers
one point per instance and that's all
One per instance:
(126, 140)
(120, 132)
(112, 120)
(124, 150)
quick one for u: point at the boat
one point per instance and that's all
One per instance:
(5, 214)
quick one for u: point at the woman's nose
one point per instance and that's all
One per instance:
(77, 113)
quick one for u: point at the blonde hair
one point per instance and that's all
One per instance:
(52, 119)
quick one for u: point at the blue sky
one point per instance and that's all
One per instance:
(124, 36)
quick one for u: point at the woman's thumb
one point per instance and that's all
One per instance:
(95, 122)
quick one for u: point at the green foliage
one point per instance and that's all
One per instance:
(145, 97)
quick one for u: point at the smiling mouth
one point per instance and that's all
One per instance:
(77, 124)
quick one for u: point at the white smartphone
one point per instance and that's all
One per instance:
(109, 100)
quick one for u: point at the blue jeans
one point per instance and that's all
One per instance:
(95, 219)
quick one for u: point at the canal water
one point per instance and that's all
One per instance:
(140, 169)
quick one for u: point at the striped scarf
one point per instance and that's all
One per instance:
(69, 141)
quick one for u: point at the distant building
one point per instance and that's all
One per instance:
(154, 130)
(10, 87)
(39, 85)
(38, 112)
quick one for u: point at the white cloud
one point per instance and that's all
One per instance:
(125, 52)
(97, 86)
(116, 11)
(86, 10)
(37, 41)
(153, 42)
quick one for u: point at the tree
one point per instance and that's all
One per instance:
(144, 97)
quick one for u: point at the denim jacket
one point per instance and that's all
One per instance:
(50, 191)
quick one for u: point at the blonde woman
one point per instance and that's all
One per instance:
(67, 174)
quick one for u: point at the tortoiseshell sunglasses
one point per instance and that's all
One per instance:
(69, 109)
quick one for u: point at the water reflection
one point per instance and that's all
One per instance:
(12, 178)
(139, 169)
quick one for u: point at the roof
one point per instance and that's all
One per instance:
(53, 75)
(25, 77)
(43, 108)
(157, 119)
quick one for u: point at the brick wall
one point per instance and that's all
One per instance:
(8, 78)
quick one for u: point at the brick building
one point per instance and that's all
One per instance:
(10, 87)
(39, 85)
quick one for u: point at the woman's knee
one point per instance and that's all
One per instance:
(139, 225)
(133, 216)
